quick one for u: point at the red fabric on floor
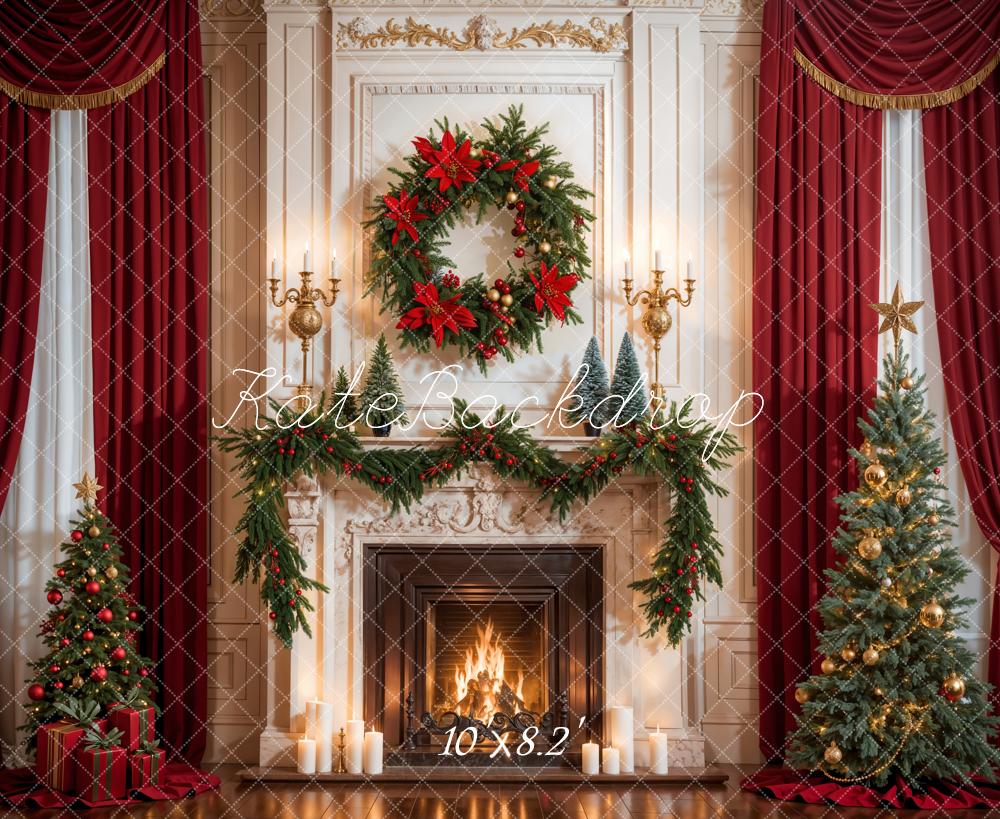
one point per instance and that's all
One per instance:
(20, 786)
(815, 789)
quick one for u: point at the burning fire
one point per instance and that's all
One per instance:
(481, 689)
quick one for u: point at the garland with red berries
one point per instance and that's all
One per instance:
(683, 453)
(450, 175)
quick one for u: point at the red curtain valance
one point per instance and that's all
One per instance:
(78, 54)
(899, 54)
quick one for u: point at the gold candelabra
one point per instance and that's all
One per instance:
(656, 319)
(305, 321)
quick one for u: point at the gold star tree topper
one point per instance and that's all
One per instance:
(896, 314)
(87, 489)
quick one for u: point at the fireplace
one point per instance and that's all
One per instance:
(503, 635)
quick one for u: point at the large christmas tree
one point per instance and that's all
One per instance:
(896, 695)
(90, 633)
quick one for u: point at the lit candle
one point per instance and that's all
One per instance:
(274, 266)
(355, 745)
(333, 264)
(373, 753)
(690, 267)
(319, 718)
(658, 752)
(621, 735)
(306, 756)
(305, 260)
(628, 266)
(657, 259)
(591, 758)
(610, 761)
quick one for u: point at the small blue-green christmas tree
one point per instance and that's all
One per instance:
(591, 388)
(627, 388)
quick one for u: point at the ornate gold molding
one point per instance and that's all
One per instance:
(483, 33)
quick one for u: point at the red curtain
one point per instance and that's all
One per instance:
(962, 156)
(814, 347)
(149, 263)
(24, 164)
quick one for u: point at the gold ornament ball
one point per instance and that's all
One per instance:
(506, 299)
(877, 691)
(544, 246)
(550, 182)
(828, 666)
(906, 383)
(954, 687)
(77, 681)
(876, 475)
(802, 696)
(870, 548)
(511, 197)
(94, 531)
(305, 320)
(904, 496)
(870, 656)
(867, 449)
(932, 615)
(493, 294)
(832, 755)
(91, 571)
(111, 572)
(933, 519)
(848, 654)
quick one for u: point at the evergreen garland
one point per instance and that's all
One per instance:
(627, 375)
(449, 176)
(591, 388)
(382, 396)
(269, 459)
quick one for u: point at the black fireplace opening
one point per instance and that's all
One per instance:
(497, 638)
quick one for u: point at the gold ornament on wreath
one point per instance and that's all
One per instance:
(451, 175)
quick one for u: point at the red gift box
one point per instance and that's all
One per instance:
(54, 756)
(144, 768)
(100, 773)
(137, 725)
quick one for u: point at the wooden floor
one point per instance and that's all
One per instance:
(454, 801)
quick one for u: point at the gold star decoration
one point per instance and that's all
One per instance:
(896, 314)
(87, 489)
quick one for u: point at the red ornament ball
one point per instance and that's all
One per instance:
(133, 616)
(53, 669)
(60, 573)
(93, 587)
(143, 672)
(36, 692)
(76, 535)
(99, 673)
(54, 597)
(64, 642)
(105, 615)
(118, 654)
(105, 546)
(57, 685)
(519, 252)
(88, 635)
(273, 615)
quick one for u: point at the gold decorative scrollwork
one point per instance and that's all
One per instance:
(483, 33)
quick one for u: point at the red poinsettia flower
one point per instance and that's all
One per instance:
(522, 173)
(551, 290)
(425, 148)
(403, 211)
(440, 314)
(451, 164)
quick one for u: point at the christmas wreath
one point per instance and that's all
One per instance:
(452, 175)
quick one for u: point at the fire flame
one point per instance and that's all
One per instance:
(479, 685)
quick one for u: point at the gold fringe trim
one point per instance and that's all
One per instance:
(895, 101)
(76, 102)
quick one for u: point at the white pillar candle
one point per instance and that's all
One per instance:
(323, 734)
(657, 259)
(611, 761)
(333, 264)
(621, 735)
(310, 719)
(355, 745)
(628, 266)
(305, 259)
(591, 758)
(274, 266)
(658, 752)
(690, 267)
(373, 753)
(306, 756)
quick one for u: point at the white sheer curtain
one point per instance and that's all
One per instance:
(58, 442)
(906, 259)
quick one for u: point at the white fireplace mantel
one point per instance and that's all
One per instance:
(332, 523)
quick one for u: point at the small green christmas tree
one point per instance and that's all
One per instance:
(896, 695)
(591, 389)
(627, 389)
(382, 398)
(90, 635)
(349, 409)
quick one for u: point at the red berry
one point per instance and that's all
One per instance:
(36, 692)
(937, 470)
(680, 571)
(677, 609)
(689, 614)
